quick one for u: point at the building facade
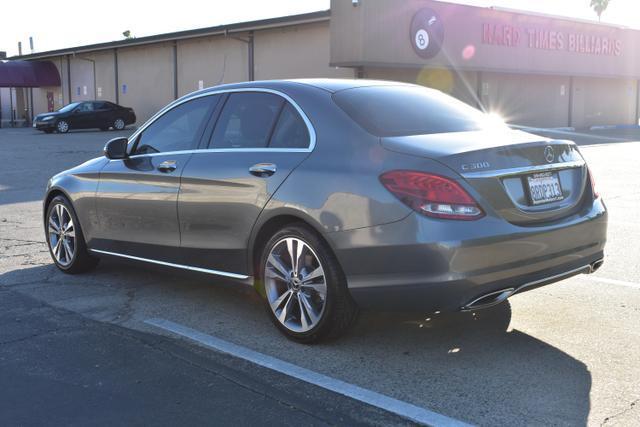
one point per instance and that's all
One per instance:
(534, 70)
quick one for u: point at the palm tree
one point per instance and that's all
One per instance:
(599, 6)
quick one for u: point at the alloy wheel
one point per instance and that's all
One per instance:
(118, 124)
(63, 126)
(295, 284)
(62, 234)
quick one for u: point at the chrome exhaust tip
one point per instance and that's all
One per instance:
(596, 265)
(488, 300)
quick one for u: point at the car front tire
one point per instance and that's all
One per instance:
(306, 291)
(65, 240)
(62, 126)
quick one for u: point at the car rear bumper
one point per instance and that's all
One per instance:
(425, 264)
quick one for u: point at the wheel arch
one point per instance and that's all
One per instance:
(263, 231)
(51, 194)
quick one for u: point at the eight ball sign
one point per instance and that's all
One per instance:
(427, 33)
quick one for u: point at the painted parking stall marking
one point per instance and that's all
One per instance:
(406, 410)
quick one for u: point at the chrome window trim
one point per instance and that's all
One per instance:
(310, 128)
(524, 170)
(170, 264)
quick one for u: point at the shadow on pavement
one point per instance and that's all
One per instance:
(465, 365)
(59, 368)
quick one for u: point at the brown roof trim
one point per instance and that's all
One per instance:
(281, 21)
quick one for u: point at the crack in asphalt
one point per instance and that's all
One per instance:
(125, 312)
(22, 240)
(630, 407)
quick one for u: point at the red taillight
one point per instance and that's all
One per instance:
(432, 195)
(593, 185)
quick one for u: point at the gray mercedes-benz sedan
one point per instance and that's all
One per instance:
(333, 195)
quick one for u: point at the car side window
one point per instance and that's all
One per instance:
(178, 129)
(247, 120)
(85, 107)
(100, 106)
(290, 131)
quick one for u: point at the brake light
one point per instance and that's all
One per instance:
(432, 195)
(593, 185)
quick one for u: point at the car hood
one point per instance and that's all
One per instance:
(43, 115)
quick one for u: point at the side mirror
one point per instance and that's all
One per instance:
(116, 148)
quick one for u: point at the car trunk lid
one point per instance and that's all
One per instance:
(525, 178)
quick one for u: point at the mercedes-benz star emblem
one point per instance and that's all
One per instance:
(549, 156)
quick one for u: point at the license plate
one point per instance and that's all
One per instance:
(544, 188)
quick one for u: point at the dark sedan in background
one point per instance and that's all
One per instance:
(334, 195)
(101, 115)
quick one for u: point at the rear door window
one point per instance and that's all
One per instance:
(247, 120)
(290, 131)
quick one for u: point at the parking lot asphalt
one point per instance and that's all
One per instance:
(565, 354)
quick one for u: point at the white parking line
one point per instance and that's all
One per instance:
(613, 281)
(403, 409)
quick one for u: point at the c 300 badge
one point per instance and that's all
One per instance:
(474, 166)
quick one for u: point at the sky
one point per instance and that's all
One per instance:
(68, 23)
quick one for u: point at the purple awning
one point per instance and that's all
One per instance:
(28, 74)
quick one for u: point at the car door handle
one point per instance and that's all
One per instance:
(263, 169)
(167, 166)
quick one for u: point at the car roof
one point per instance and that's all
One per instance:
(329, 85)
(335, 85)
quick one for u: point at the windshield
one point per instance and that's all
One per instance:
(409, 110)
(69, 107)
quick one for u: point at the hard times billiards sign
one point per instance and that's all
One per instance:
(546, 39)
(427, 34)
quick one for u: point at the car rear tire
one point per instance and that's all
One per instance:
(306, 291)
(65, 239)
(62, 126)
(118, 124)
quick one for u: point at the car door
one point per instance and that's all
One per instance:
(82, 116)
(101, 116)
(259, 138)
(137, 196)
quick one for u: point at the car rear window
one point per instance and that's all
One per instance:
(407, 110)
